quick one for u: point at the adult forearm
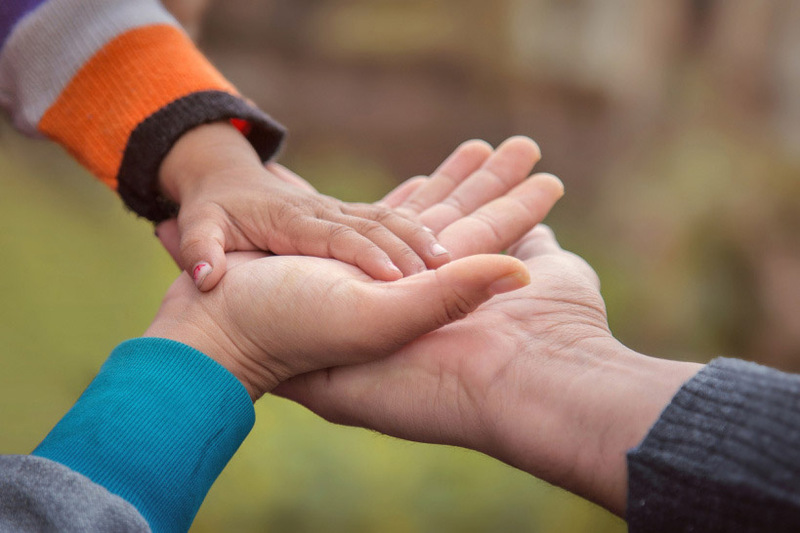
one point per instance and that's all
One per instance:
(574, 422)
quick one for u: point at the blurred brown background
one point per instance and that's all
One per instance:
(674, 125)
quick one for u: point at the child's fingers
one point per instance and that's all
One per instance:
(398, 251)
(342, 241)
(465, 160)
(509, 165)
(415, 241)
(202, 249)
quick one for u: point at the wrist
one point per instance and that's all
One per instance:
(186, 322)
(202, 153)
(629, 395)
(576, 421)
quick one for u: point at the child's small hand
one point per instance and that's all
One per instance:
(229, 201)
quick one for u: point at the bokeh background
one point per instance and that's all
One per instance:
(675, 127)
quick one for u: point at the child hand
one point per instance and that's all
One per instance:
(229, 201)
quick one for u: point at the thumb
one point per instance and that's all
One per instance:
(202, 248)
(418, 304)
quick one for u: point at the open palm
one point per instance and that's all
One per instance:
(449, 385)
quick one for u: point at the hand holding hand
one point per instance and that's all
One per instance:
(275, 317)
(533, 378)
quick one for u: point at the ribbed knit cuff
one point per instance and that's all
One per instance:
(156, 427)
(723, 456)
(152, 139)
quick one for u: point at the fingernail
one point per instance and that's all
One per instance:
(200, 272)
(392, 266)
(509, 283)
(438, 249)
(426, 228)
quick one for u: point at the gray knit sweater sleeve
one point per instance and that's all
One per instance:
(723, 456)
(37, 494)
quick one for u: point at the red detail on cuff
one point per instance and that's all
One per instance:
(242, 125)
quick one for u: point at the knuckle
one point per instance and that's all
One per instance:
(410, 261)
(286, 215)
(191, 241)
(455, 306)
(374, 213)
(408, 211)
(406, 251)
(456, 203)
(412, 206)
(383, 215)
(491, 224)
(370, 227)
(340, 232)
(416, 233)
(357, 209)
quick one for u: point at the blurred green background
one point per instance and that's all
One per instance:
(674, 125)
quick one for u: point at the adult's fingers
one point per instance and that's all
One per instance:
(539, 241)
(500, 223)
(509, 165)
(464, 160)
(400, 194)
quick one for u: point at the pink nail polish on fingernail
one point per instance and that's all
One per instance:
(200, 272)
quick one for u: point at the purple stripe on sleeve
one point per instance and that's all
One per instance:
(10, 13)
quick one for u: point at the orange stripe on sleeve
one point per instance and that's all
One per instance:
(126, 81)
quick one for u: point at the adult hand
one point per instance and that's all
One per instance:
(276, 317)
(533, 378)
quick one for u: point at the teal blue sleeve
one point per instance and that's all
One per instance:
(155, 427)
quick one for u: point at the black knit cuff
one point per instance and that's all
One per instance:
(153, 138)
(722, 457)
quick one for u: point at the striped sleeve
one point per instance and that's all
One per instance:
(116, 82)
